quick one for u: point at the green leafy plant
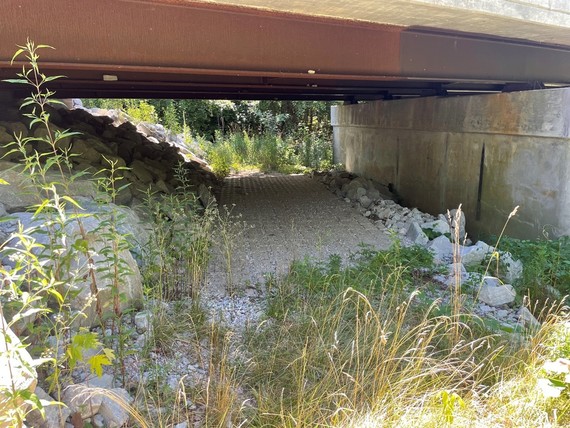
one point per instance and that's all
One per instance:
(546, 265)
(51, 259)
(449, 402)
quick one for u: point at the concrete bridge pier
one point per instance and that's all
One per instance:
(487, 152)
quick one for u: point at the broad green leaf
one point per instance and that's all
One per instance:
(96, 363)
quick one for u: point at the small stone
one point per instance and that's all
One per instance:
(502, 313)
(365, 201)
(360, 192)
(140, 342)
(82, 399)
(373, 194)
(143, 321)
(106, 381)
(173, 382)
(455, 268)
(441, 278)
(98, 421)
(181, 425)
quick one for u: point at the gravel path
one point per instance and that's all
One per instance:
(280, 218)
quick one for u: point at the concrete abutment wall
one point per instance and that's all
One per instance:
(489, 153)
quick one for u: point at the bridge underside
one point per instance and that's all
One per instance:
(181, 49)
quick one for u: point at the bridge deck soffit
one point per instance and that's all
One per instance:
(181, 49)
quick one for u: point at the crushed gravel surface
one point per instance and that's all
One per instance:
(280, 218)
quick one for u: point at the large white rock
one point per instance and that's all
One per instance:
(130, 287)
(417, 235)
(79, 282)
(475, 254)
(82, 399)
(494, 293)
(18, 194)
(114, 408)
(438, 226)
(442, 249)
(513, 268)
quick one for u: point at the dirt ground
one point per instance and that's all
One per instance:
(279, 218)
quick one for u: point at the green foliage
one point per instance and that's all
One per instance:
(142, 112)
(281, 136)
(176, 258)
(268, 153)
(546, 263)
(221, 158)
(139, 110)
(369, 272)
(353, 338)
(52, 259)
(449, 402)
(432, 234)
(85, 341)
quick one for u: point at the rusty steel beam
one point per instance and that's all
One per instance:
(174, 49)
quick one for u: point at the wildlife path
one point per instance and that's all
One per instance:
(280, 218)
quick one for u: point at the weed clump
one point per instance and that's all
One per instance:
(269, 153)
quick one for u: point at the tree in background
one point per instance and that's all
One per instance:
(282, 133)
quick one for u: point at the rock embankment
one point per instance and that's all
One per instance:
(149, 162)
(151, 156)
(445, 237)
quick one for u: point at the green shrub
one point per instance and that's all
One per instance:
(221, 158)
(546, 264)
(143, 112)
